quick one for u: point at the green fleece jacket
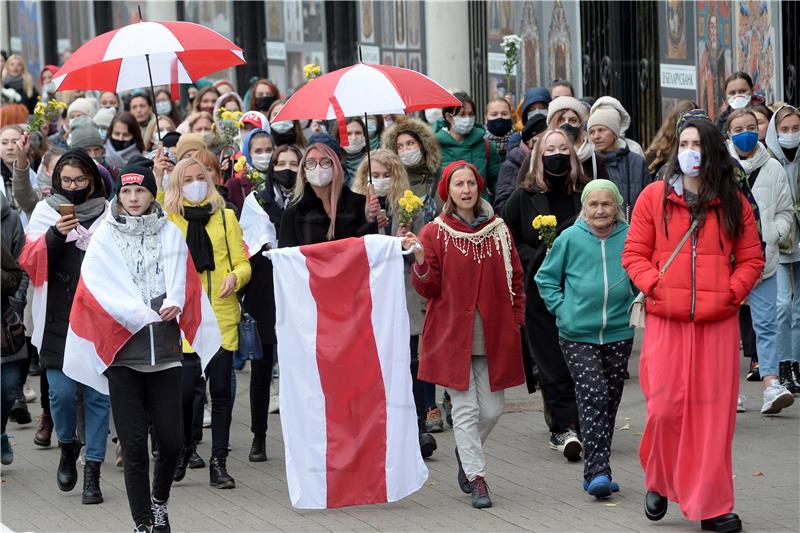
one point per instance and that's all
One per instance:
(583, 284)
(473, 150)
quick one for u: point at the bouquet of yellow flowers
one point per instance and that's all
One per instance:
(545, 225)
(44, 113)
(248, 172)
(227, 124)
(410, 206)
(311, 71)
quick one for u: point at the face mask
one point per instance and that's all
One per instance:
(285, 178)
(382, 186)
(263, 103)
(280, 139)
(499, 126)
(372, 127)
(463, 125)
(76, 197)
(745, 141)
(282, 126)
(320, 177)
(535, 112)
(163, 107)
(120, 145)
(689, 161)
(571, 131)
(195, 192)
(739, 101)
(102, 132)
(261, 161)
(432, 115)
(556, 164)
(411, 158)
(356, 145)
(789, 140)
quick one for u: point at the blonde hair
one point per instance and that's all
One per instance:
(534, 178)
(197, 115)
(149, 144)
(785, 111)
(27, 79)
(173, 196)
(336, 185)
(664, 141)
(396, 169)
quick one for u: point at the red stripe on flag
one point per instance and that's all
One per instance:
(192, 313)
(33, 259)
(350, 373)
(90, 321)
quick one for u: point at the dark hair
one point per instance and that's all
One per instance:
(359, 121)
(562, 83)
(140, 95)
(716, 180)
(462, 97)
(79, 158)
(263, 81)
(133, 127)
(174, 114)
(762, 109)
(413, 135)
(739, 75)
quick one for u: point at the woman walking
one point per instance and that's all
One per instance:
(692, 330)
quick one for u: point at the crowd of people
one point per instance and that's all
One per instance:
(539, 223)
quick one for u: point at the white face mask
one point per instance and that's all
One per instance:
(261, 161)
(432, 115)
(789, 140)
(689, 160)
(356, 145)
(195, 192)
(463, 125)
(535, 112)
(372, 127)
(163, 107)
(320, 177)
(739, 101)
(283, 126)
(382, 186)
(411, 158)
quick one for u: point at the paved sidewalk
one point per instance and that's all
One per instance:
(533, 487)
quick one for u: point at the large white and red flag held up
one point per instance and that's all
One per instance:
(347, 411)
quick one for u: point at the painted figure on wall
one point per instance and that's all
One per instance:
(756, 45)
(714, 49)
(529, 31)
(676, 29)
(560, 48)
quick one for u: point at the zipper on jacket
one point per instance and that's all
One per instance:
(694, 274)
(605, 288)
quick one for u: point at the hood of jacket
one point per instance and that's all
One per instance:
(218, 104)
(433, 153)
(771, 140)
(246, 144)
(611, 102)
(537, 94)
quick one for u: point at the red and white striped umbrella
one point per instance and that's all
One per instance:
(177, 52)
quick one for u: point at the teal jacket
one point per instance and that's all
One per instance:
(583, 284)
(473, 150)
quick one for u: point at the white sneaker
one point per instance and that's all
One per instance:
(29, 394)
(740, 408)
(776, 398)
(206, 417)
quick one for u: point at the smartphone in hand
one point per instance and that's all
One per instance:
(66, 209)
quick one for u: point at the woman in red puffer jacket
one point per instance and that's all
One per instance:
(689, 367)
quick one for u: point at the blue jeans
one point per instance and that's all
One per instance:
(63, 409)
(9, 384)
(788, 314)
(763, 311)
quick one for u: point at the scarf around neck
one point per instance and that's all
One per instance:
(197, 238)
(88, 210)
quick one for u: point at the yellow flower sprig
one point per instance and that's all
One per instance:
(248, 172)
(240, 164)
(228, 126)
(46, 112)
(545, 226)
(410, 205)
(311, 71)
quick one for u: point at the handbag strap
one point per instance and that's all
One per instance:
(225, 232)
(678, 248)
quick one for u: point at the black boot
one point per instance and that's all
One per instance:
(754, 374)
(258, 452)
(19, 412)
(195, 461)
(183, 461)
(67, 474)
(91, 483)
(218, 474)
(160, 516)
(727, 523)
(796, 376)
(785, 376)
(427, 444)
(655, 506)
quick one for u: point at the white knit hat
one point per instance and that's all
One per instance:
(605, 116)
(566, 102)
(87, 106)
(104, 117)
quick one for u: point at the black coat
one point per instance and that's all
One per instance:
(508, 179)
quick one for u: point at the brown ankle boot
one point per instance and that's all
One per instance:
(44, 431)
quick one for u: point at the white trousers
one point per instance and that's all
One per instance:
(475, 413)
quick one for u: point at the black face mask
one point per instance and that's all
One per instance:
(499, 126)
(120, 145)
(556, 164)
(263, 103)
(76, 197)
(290, 137)
(571, 131)
(285, 178)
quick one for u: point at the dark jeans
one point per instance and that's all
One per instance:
(419, 388)
(137, 400)
(599, 372)
(218, 374)
(9, 385)
(260, 381)
(746, 330)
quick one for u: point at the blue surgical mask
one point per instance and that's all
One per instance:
(745, 141)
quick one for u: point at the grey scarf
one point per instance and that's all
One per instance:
(88, 210)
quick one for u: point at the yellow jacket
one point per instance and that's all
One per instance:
(226, 309)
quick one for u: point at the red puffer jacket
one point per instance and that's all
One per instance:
(711, 275)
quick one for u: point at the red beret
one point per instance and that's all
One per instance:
(444, 183)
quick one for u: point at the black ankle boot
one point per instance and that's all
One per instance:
(218, 474)
(91, 483)
(785, 376)
(183, 461)
(655, 506)
(795, 370)
(427, 444)
(258, 452)
(727, 523)
(67, 474)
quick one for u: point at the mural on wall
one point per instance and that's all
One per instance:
(367, 21)
(756, 45)
(393, 32)
(529, 32)
(676, 30)
(501, 18)
(714, 35)
(560, 45)
(678, 72)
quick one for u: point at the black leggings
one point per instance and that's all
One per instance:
(418, 387)
(260, 381)
(137, 400)
(218, 374)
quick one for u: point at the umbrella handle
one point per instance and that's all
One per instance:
(369, 158)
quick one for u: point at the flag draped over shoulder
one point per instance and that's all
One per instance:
(108, 308)
(347, 410)
(257, 228)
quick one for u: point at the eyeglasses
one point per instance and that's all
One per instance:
(311, 164)
(78, 182)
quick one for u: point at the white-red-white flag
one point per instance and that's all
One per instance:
(108, 309)
(347, 409)
(257, 228)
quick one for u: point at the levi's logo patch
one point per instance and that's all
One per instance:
(131, 178)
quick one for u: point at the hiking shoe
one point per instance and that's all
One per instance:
(7, 454)
(753, 374)
(434, 420)
(463, 482)
(568, 444)
(480, 493)
(776, 398)
(160, 516)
